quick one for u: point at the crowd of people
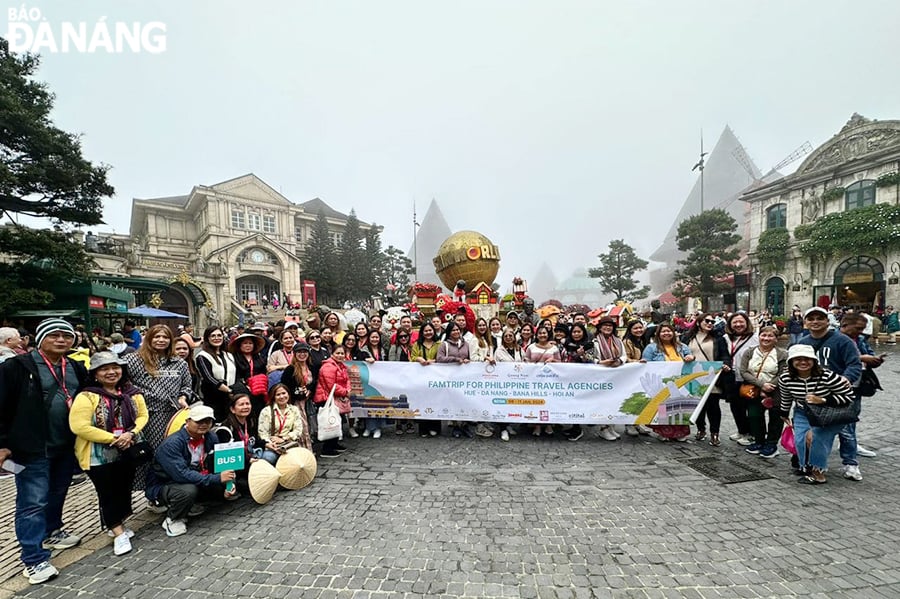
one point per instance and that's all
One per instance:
(109, 412)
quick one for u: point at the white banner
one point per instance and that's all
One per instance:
(651, 393)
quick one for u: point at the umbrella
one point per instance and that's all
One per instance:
(148, 312)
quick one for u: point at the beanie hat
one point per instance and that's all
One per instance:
(52, 325)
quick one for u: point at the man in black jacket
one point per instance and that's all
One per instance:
(36, 390)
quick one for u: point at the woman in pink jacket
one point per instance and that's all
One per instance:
(333, 373)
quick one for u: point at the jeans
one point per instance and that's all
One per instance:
(373, 424)
(847, 439)
(270, 456)
(40, 494)
(822, 441)
(795, 337)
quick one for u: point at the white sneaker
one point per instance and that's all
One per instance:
(631, 431)
(863, 452)
(504, 435)
(366, 433)
(735, 436)
(644, 430)
(128, 532)
(122, 544)
(354, 434)
(60, 539)
(156, 507)
(174, 528)
(41, 572)
(608, 433)
(746, 440)
(376, 434)
(483, 431)
(852, 473)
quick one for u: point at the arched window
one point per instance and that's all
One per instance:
(860, 269)
(776, 217)
(861, 193)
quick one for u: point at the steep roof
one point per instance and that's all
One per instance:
(429, 237)
(315, 205)
(724, 179)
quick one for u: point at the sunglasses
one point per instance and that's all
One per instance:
(402, 336)
(709, 321)
(313, 338)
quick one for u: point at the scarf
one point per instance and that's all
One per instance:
(608, 347)
(122, 404)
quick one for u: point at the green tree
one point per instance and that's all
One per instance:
(398, 272)
(371, 279)
(42, 174)
(709, 239)
(616, 272)
(319, 259)
(350, 261)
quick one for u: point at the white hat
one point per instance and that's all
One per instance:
(201, 412)
(821, 311)
(802, 351)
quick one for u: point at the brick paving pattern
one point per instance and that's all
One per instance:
(532, 518)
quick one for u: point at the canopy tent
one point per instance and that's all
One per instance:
(148, 312)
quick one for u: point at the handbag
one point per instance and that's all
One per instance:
(748, 391)
(825, 415)
(329, 419)
(788, 441)
(868, 383)
(138, 454)
(258, 384)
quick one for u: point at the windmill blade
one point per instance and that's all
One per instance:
(740, 154)
(797, 154)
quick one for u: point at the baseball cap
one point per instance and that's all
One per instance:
(814, 309)
(201, 412)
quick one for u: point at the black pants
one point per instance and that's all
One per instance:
(738, 407)
(711, 411)
(764, 435)
(179, 498)
(113, 483)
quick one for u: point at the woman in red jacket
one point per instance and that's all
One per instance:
(333, 373)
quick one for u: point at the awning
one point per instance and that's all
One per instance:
(148, 312)
(47, 313)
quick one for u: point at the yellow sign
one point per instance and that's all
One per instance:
(858, 277)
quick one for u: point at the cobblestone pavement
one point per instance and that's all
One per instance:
(411, 517)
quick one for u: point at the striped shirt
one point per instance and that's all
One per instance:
(834, 389)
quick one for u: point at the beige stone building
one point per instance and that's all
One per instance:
(839, 176)
(206, 253)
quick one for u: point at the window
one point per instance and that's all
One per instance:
(253, 221)
(776, 217)
(861, 193)
(268, 223)
(237, 219)
(298, 233)
(336, 238)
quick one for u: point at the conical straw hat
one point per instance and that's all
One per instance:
(263, 480)
(177, 421)
(297, 467)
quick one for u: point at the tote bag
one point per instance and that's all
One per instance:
(329, 419)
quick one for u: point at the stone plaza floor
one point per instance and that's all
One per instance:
(409, 517)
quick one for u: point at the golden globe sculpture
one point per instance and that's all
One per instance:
(467, 255)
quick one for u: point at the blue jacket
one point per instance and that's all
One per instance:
(653, 354)
(838, 353)
(172, 464)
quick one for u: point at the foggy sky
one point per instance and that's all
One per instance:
(551, 127)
